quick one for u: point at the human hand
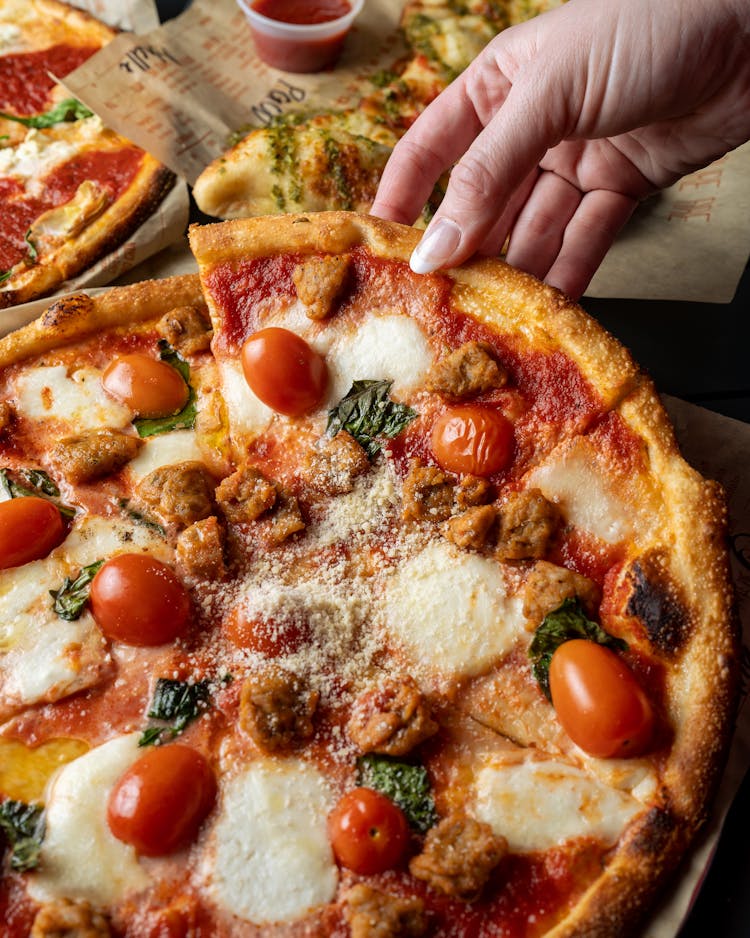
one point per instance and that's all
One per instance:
(562, 124)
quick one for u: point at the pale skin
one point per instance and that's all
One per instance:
(563, 124)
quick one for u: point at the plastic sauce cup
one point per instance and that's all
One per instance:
(299, 47)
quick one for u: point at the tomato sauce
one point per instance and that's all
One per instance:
(241, 290)
(304, 12)
(25, 84)
(113, 169)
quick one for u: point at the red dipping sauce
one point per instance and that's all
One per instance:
(302, 11)
(300, 35)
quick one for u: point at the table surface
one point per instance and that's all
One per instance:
(697, 352)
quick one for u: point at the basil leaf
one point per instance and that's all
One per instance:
(38, 484)
(74, 594)
(566, 622)
(23, 827)
(151, 736)
(185, 419)
(39, 480)
(366, 412)
(70, 109)
(5, 275)
(405, 784)
(177, 702)
(139, 518)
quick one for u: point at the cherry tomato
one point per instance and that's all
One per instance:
(472, 439)
(368, 832)
(284, 371)
(159, 803)
(139, 600)
(148, 386)
(29, 528)
(599, 701)
(268, 636)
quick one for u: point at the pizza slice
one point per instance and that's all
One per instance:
(300, 163)
(41, 41)
(71, 190)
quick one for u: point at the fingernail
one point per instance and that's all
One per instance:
(438, 243)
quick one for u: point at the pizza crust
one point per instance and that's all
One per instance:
(77, 316)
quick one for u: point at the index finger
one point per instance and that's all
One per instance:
(438, 137)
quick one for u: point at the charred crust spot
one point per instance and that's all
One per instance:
(654, 602)
(652, 837)
(68, 307)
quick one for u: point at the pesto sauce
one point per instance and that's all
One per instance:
(284, 162)
(336, 167)
(420, 31)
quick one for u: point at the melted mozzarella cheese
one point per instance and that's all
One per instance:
(271, 859)
(10, 34)
(538, 804)
(80, 857)
(451, 610)
(79, 399)
(165, 449)
(40, 151)
(390, 347)
(45, 657)
(248, 415)
(587, 497)
(94, 538)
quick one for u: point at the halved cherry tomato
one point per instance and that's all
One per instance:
(599, 701)
(268, 636)
(159, 803)
(368, 832)
(472, 439)
(29, 528)
(148, 386)
(138, 600)
(284, 371)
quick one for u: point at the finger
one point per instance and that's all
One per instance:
(498, 234)
(537, 235)
(588, 237)
(481, 183)
(423, 154)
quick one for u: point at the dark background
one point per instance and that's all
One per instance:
(699, 352)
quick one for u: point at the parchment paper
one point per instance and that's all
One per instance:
(180, 90)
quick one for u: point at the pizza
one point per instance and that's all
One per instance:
(333, 158)
(340, 600)
(71, 190)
